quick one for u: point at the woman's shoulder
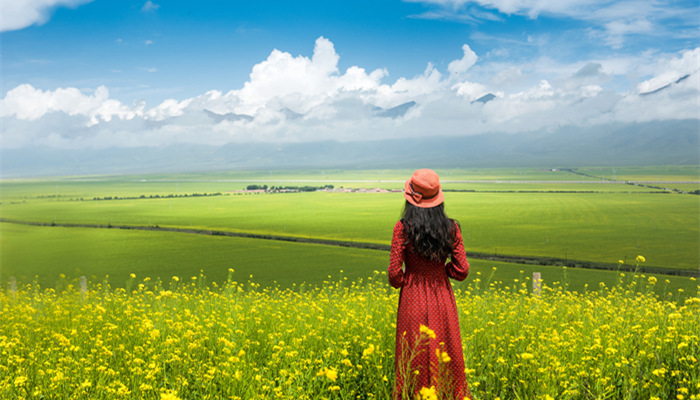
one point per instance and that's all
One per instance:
(399, 225)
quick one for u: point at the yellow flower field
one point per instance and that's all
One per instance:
(185, 339)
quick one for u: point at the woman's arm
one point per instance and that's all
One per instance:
(396, 274)
(458, 267)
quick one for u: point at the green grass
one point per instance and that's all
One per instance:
(134, 185)
(598, 334)
(647, 173)
(601, 227)
(49, 252)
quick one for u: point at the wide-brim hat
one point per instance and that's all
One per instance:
(423, 189)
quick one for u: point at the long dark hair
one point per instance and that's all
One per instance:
(429, 230)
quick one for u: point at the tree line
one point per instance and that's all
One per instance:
(288, 188)
(156, 196)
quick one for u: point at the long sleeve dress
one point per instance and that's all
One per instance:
(426, 298)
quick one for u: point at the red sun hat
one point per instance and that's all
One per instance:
(423, 189)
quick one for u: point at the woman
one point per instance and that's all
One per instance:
(428, 338)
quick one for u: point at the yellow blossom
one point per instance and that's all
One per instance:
(427, 331)
(442, 356)
(329, 373)
(169, 395)
(428, 393)
(20, 381)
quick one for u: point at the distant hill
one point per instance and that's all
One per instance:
(652, 143)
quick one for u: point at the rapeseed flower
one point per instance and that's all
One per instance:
(329, 373)
(169, 395)
(427, 331)
(202, 341)
(428, 393)
(442, 356)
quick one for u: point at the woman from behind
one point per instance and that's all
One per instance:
(429, 355)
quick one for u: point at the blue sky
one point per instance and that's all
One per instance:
(101, 73)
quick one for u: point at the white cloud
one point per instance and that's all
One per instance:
(458, 67)
(299, 98)
(471, 90)
(18, 14)
(149, 6)
(669, 70)
(294, 82)
(616, 30)
(614, 19)
(27, 103)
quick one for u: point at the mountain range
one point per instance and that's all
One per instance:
(667, 142)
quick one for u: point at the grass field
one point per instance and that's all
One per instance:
(616, 222)
(49, 252)
(478, 179)
(602, 227)
(171, 315)
(648, 173)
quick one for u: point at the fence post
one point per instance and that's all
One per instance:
(83, 285)
(536, 283)
(13, 286)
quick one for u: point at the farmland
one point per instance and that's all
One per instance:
(188, 314)
(529, 213)
(183, 339)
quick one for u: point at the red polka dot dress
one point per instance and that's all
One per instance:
(427, 299)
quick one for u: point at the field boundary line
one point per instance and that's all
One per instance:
(528, 260)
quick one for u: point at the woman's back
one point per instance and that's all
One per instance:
(422, 241)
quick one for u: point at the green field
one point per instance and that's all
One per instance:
(45, 253)
(601, 227)
(591, 222)
(175, 315)
(649, 173)
(465, 179)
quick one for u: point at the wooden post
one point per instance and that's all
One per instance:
(83, 285)
(536, 283)
(13, 286)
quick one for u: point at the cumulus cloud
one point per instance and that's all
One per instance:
(458, 67)
(300, 98)
(27, 103)
(18, 14)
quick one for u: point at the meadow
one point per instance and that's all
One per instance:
(182, 338)
(163, 315)
(42, 254)
(599, 227)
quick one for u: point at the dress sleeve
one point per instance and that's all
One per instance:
(458, 267)
(396, 274)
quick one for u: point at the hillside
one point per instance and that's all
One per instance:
(661, 142)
